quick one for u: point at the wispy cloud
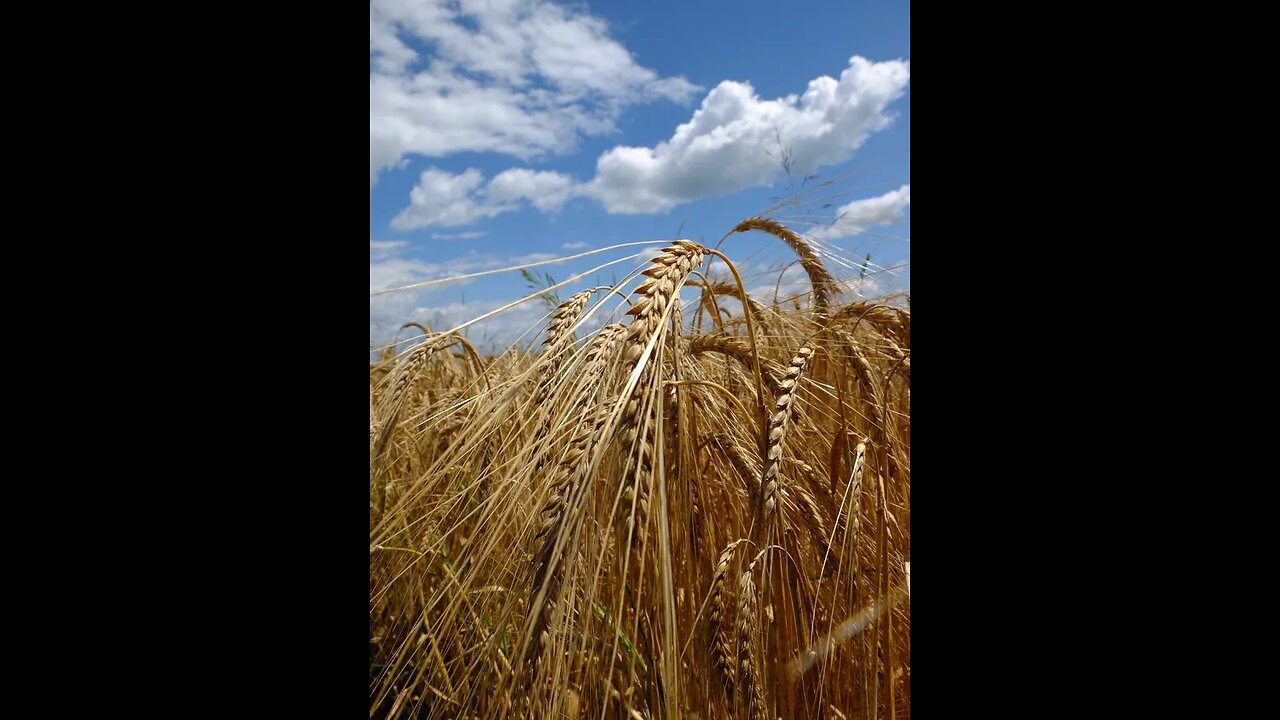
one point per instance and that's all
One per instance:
(472, 235)
(388, 312)
(519, 325)
(383, 249)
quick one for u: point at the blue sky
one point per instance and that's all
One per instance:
(512, 131)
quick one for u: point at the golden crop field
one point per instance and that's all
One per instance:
(700, 508)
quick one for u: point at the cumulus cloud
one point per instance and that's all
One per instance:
(734, 141)
(518, 77)
(860, 215)
(442, 198)
(722, 148)
(546, 190)
(445, 199)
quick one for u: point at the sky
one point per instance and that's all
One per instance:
(505, 132)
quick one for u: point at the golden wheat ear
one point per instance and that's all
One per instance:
(779, 423)
(723, 652)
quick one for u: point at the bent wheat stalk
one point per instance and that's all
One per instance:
(824, 284)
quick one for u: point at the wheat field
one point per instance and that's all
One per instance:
(682, 500)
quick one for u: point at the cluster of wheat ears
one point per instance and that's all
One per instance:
(675, 515)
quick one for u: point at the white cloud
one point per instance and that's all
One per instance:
(722, 149)
(490, 335)
(396, 271)
(383, 249)
(471, 235)
(579, 245)
(734, 141)
(793, 282)
(518, 77)
(523, 323)
(388, 312)
(546, 190)
(859, 215)
(444, 199)
(775, 272)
